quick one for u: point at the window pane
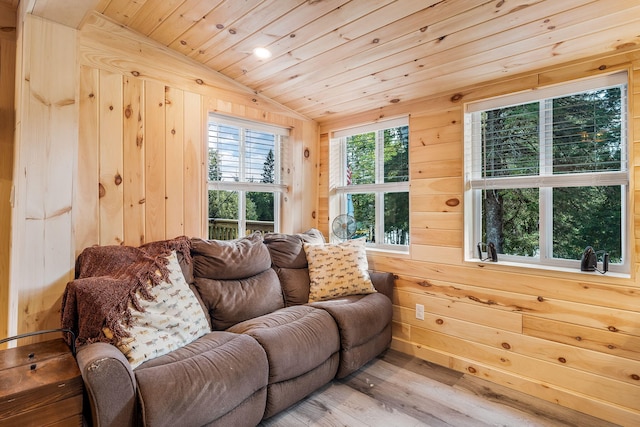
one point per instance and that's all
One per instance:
(396, 218)
(259, 157)
(260, 212)
(364, 213)
(396, 154)
(223, 214)
(587, 216)
(510, 221)
(361, 159)
(223, 152)
(510, 144)
(587, 132)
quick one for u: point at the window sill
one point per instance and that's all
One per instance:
(542, 269)
(396, 253)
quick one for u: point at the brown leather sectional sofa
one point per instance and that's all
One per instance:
(268, 348)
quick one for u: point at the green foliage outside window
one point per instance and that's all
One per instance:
(584, 134)
(361, 158)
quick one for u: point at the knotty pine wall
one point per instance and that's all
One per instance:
(570, 338)
(7, 122)
(111, 149)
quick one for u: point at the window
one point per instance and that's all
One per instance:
(547, 174)
(244, 178)
(370, 176)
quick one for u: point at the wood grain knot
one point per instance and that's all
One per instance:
(506, 346)
(313, 214)
(602, 67)
(471, 369)
(395, 100)
(200, 81)
(540, 299)
(612, 329)
(457, 97)
(128, 111)
(452, 202)
(635, 377)
(307, 153)
(578, 338)
(117, 179)
(101, 190)
(135, 73)
(625, 46)
(440, 321)
(562, 360)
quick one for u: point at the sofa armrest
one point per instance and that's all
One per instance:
(383, 282)
(110, 385)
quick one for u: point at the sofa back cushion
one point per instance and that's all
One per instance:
(286, 249)
(235, 280)
(290, 263)
(234, 301)
(229, 259)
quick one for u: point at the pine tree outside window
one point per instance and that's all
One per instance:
(244, 177)
(370, 176)
(547, 174)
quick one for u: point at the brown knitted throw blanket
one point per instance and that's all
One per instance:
(106, 282)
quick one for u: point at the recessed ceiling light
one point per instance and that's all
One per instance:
(262, 52)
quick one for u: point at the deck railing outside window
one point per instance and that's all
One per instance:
(227, 229)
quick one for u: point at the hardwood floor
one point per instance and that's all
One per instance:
(397, 390)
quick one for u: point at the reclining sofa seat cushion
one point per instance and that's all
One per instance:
(302, 345)
(219, 379)
(364, 322)
(235, 280)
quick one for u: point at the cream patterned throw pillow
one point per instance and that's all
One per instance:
(338, 270)
(173, 319)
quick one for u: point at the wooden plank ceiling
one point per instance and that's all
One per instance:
(334, 58)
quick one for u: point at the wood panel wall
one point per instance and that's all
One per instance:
(128, 193)
(569, 338)
(7, 121)
(111, 141)
(45, 157)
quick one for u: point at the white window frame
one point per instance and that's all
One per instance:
(338, 172)
(545, 181)
(242, 186)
